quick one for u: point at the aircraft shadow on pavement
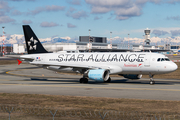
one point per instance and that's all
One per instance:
(127, 81)
(124, 81)
(66, 80)
(47, 80)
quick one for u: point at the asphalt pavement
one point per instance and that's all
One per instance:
(30, 79)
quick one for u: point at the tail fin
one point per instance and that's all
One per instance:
(32, 42)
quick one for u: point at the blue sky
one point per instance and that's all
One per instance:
(74, 18)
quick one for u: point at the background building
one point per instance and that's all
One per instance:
(92, 39)
(99, 44)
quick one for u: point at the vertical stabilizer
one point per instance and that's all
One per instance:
(32, 42)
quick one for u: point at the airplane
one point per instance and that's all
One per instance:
(96, 66)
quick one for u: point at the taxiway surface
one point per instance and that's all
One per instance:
(33, 80)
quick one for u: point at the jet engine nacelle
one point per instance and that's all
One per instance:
(133, 76)
(98, 75)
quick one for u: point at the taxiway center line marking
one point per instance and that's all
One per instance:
(178, 90)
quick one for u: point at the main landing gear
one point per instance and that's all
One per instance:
(83, 80)
(108, 81)
(152, 82)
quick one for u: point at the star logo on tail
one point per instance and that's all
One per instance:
(32, 44)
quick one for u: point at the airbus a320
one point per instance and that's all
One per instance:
(97, 66)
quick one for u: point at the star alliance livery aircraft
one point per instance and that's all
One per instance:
(97, 66)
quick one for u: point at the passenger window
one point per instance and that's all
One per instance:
(159, 59)
(162, 59)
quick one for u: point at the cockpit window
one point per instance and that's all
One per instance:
(162, 59)
(166, 59)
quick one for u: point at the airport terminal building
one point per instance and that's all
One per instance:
(86, 44)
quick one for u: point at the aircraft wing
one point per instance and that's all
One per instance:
(66, 65)
(112, 68)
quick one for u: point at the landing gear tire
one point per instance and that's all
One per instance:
(152, 82)
(108, 81)
(83, 80)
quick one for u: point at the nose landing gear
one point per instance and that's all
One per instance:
(152, 82)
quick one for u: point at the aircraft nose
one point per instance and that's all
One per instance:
(174, 67)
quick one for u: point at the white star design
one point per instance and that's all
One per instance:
(31, 48)
(29, 43)
(35, 41)
(32, 43)
(32, 39)
(34, 47)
